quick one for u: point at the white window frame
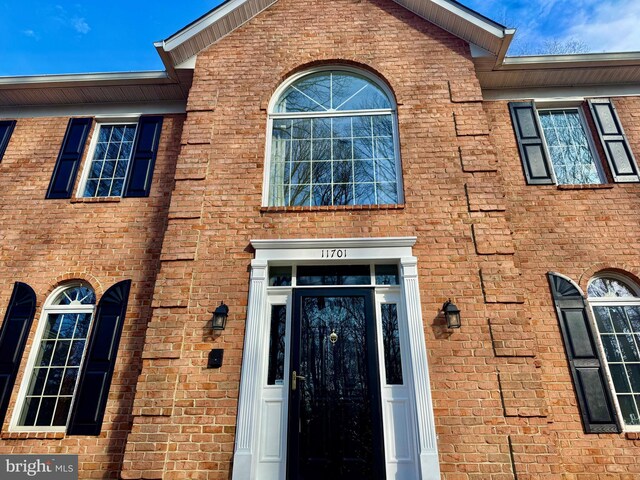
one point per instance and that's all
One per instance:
(47, 309)
(272, 115)
(611, 302)
(585, 128)
(104, 122)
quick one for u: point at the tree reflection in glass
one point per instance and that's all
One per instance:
(336, 408)
(345, 156)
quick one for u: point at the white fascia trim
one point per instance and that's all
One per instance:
(198, 26)
(551, 94)
(83, 79)
(94, 110)
(375, 242)
(509, 33)
(472, 17)
(583, 60)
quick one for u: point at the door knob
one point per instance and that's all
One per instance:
(294, 380)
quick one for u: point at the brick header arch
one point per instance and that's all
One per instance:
(624, 269)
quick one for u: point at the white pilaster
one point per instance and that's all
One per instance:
(427, 444)
(244, 461)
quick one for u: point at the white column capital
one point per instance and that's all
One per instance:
(409, 267)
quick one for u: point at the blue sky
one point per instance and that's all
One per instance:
(600, 25)
(46, 37)
(43, 37)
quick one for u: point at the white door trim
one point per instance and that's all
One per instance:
(318, 251)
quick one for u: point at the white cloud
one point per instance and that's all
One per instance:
(609, 27)
(80, 25)
(546, 6)
(63, 18)
(29, 33)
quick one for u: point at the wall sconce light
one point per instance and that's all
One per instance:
(452, 314)
(219, 319)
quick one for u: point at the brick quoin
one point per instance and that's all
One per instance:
(503, 400)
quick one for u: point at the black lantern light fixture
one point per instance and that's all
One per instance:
(219, 319)
(452, 314)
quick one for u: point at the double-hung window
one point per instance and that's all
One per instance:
(571, 151)
(108, 161)
(55, 362)
(616, 308)
(65, 387)
(603, 348)
(333, 141)
(120, 161)
(556, 145)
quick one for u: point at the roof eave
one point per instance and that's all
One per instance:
(95, 89)
(591, 70)
(579, 60)
(85, 79)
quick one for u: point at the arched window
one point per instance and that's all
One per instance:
(333, 141)
(616, 307)
(56, 358)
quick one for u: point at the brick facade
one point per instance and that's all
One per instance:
(48, 242)
(503, 398)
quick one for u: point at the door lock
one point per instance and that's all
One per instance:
(294, 380)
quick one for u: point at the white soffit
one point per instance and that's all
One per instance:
(447, 14)
(462, 22)
(546, 71)
(95, 88)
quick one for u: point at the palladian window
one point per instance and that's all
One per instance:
(333, 142)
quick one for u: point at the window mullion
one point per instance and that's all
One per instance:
(349, 175)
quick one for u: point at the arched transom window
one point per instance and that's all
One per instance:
(333, 141)
(55, 363)
(616, 307)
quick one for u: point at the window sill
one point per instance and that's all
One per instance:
(587, 186)
(331, 208)
(32, 435)
(96, 200)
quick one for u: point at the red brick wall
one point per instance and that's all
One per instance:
(45, 242)
(185, 413)
(576, 232)
(503, 398)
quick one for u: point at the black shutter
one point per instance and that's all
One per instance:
(144, 157)
(593, 392)
(64, 173)
(533, 150)
(6, 129)
(13, 337)
(91, 396)
(614, 142)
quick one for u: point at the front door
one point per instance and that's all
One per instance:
(335, 423)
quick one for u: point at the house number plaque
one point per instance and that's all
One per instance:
(333, 253)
